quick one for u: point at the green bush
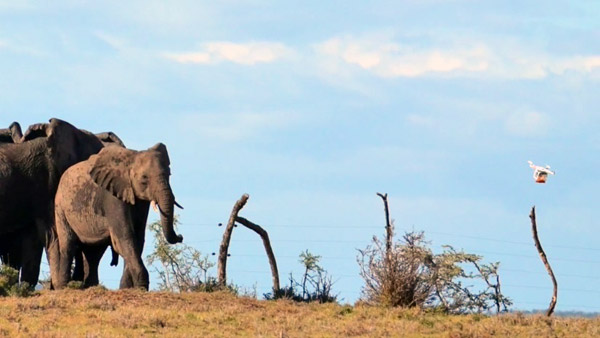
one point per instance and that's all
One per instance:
(315, 285)
(10, 286)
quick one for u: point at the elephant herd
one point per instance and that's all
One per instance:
(74, 193)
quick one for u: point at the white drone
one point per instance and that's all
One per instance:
(540, 174)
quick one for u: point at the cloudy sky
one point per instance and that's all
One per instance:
(312, 107)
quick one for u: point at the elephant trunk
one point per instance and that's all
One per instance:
(166, 202)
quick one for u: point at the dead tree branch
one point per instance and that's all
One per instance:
(233, 218)
(538, 245)
(388, 225)
(265, 238)
(223, 249)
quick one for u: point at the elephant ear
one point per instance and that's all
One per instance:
(15, 131)
(110, 170)
(37, 130)
(44, 129)
(164, 155)
(110, 138)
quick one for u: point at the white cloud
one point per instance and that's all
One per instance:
(242, 53)
(235, 127)
(384, 57)
(527, 123)
(519, 62)
(389, 59)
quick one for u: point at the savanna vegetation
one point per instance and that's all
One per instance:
(97, 312)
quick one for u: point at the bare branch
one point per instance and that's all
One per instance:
(224, 248)
(538, 245)
(267, 243)
(388, 224)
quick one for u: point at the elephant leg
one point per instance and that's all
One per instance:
(126, 279)
(140, 217)
(53, 256)
(66, 251)
(78, 269)
(134, 266)
(92, 257)
(13, 250)
(31, 259)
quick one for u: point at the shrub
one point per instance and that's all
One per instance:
(315, 285)
(180, 267)
(9, 283)
(411, 275)
(401, 278)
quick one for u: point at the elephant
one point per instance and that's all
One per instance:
(10, 245)
(105, 200)
(29, 176)
(11, 253)
(81, 268)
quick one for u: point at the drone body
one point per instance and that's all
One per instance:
(540, 174)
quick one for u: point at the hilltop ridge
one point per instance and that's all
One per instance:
(98, 312)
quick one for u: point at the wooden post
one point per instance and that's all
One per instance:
(265, 237)
(538, 245)
(222, 263)
(388, 226)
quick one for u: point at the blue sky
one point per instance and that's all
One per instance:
(313, 107)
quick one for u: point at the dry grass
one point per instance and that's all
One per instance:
(102, 313)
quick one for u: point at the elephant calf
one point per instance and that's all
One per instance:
(106, 200)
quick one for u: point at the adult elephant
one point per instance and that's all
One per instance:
(81, 269)
(29, 175)
(105, 200)
(10, 245)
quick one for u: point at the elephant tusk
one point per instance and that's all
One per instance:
(154, 206)
(178, 205)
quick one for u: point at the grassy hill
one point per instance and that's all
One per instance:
(102, 313)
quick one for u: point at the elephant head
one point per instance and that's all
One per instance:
(138, 175)
(67, 145)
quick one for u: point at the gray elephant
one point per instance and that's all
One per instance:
(10, 244)
(29, 175)
(105, 200)
(81, 270)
